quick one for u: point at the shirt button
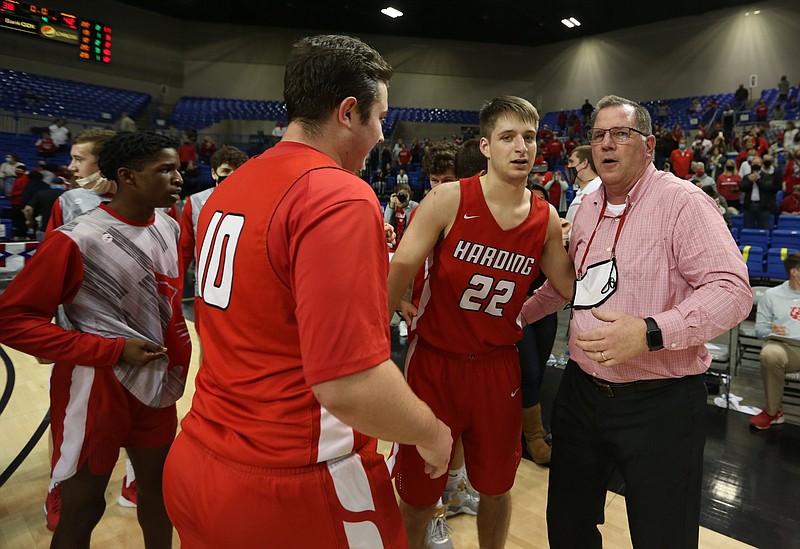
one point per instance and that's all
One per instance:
(594, 374)
(674, 345)
(608, 249)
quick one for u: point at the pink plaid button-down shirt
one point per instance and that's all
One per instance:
(677, 262)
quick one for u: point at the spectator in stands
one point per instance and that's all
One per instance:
(402, 177)
(126, 123)
(207, 148)
(416, 150)
(740, 97)
(554, 152)
(404, 157)
(398, 146)
(398, 210)
(677, 133)
(721, 203)
(35, 184)
(557, 191)
(187, 151)
(664, 147)
(777, 318)
(695, 107)
(715, 161)
(699, 148)
(681, 159)
(783, 89)
(45, 145)
(60, 134)
(15, 198)
(37, 209)
(728, 185)
(667, 167)
(791, 175)
(562, 121)
(386, 158)
(778, 113)
(379, 183)
(789, 136)
(278, 130)
(572, 120)
(791, 204)
(700, 177)
(762, 111)
(586, 111)
(759, 188)
(662, 111)
(8, 171)
(728, 121)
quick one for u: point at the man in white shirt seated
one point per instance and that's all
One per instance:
(778, 320)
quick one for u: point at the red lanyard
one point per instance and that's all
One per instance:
(591, 238)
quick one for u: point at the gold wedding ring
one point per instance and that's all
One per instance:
(603, 355)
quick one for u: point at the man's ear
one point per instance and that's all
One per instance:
(484, 146)
(344, 114)
(125, 176)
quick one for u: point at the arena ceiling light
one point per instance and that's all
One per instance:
(571, 22)
(392, 12)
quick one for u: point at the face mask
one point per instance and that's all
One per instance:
(572, 174)
(756, 167)
(700, 172)
(220, 179)
(596, 286)
(751, 158)
(97, 184)
(767, 164)
(681, 146)
(9, 159)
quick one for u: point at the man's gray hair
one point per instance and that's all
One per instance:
(643, 122)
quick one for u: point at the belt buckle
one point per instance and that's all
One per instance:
(605, 389)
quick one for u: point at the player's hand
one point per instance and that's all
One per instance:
(391, 237)
(408, 310)
(621, 339)
(779, 330)
(393, 200)
(437, 456)
(140, 352)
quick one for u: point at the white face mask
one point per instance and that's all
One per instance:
(97, 184)
(596, 286)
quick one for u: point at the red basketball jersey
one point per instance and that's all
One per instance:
(478, 277)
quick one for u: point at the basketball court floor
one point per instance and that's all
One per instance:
(750, 495)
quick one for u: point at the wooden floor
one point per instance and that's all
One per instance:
(22, 522)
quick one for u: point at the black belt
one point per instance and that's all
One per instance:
(612, 390)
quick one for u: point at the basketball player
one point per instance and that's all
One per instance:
(286, 407)
(488, 237)
(223, 162)
(115, 271)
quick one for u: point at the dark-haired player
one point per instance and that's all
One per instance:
(123, 364)
(223, 162)
(285, 408)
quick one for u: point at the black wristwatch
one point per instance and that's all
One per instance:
(654, 340)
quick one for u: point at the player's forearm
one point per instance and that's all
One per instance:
(400, 280)
(379, 403)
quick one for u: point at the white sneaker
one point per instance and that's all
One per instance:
(463, 499)
(438, 534)
(402, 329)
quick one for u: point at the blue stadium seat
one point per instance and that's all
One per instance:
(754, 258)
(785, 238)
(789, 222)
(754, 237)
(775, 258)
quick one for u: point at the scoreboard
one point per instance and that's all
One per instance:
(91, 39)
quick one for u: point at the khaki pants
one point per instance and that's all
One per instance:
(777, 360)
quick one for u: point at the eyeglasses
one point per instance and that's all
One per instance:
(618, 135)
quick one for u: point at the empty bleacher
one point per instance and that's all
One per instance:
(34, 94)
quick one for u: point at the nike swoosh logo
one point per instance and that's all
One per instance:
(470, 216)
(513, 394)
